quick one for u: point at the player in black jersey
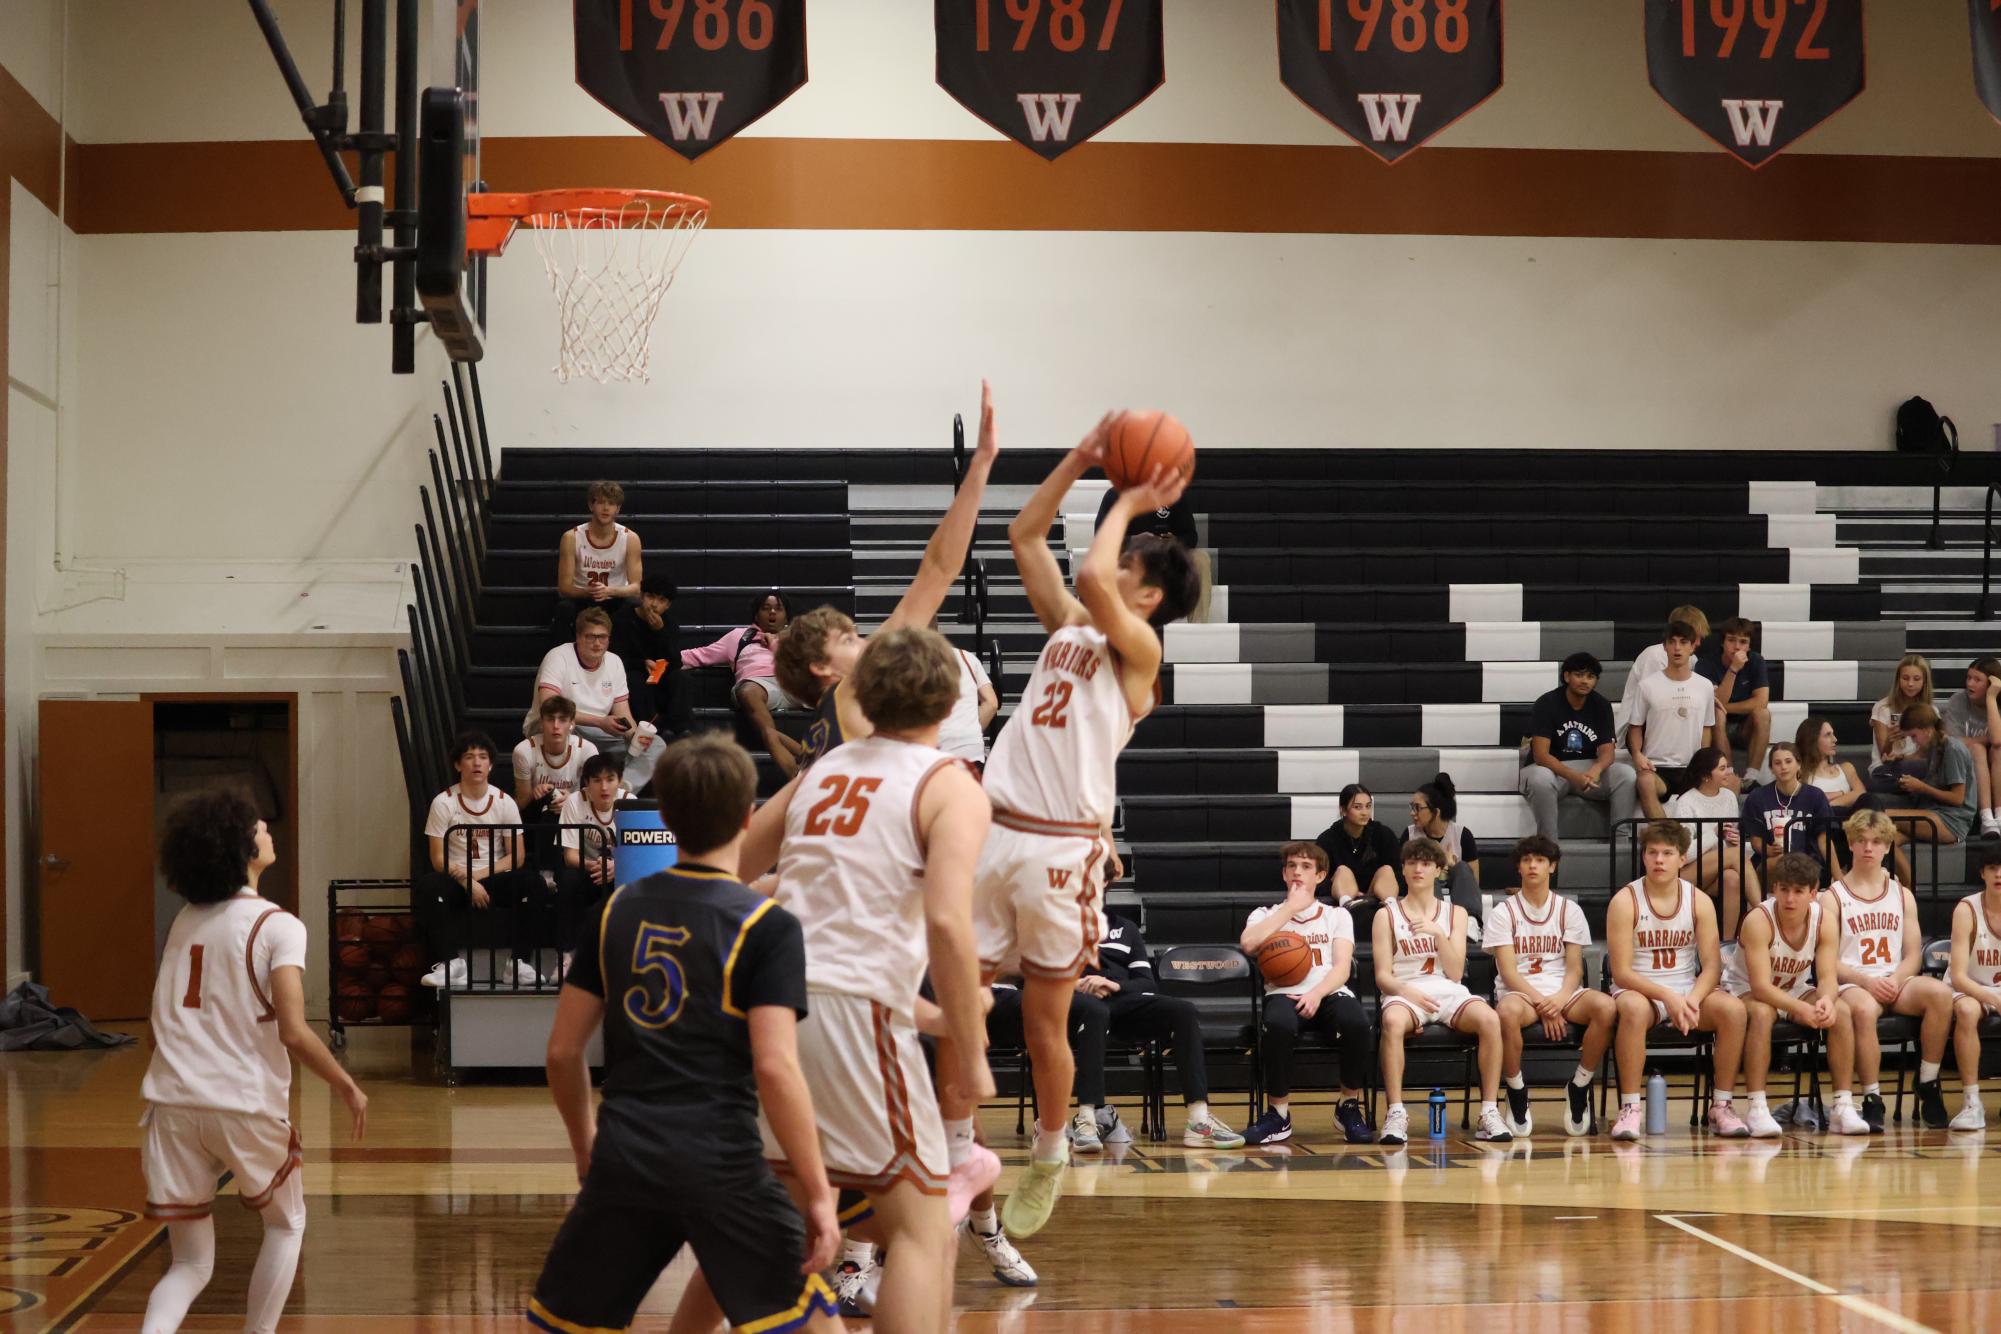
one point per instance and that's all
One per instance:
(699, 985)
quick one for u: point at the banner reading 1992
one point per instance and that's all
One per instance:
(1390, 74)
(1755, 75)
(1049, 74)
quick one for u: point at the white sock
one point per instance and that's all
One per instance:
(1514, 1081)
(1843, 1098)
(1486, 1107)
(986, 1221)
(1396, 1106)
(1758, 1101)
(1723, 1099)
(1198, 1111)
(1050, 1145)
(1928, 1071)
(193, 1243)
(1629, 1100)
(858, 1252)
(1088, 1111)
(278, 1258)
(1283, 1106)
(1872, 1090)
(1585, 1074)
(1971, 1090)
(958, 1141)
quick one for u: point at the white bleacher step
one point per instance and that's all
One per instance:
(1537, 642)
(1484, 769)
(1501, 682)
(1488, 814)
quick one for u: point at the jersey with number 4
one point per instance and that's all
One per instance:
(851, 868)
(1872, 930)
(1664, 948)
(215, 1031)
(1056, 761)
(1538, 938)
(1414, 953)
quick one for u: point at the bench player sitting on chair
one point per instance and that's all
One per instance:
(1420, 951)
(1537, 939)
(1784, 966)
(1976, 981)
(1667, 968)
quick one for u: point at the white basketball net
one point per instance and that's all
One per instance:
(609, 270)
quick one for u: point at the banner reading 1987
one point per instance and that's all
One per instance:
(1390, 73)
(1755, 75)
(1049, 74)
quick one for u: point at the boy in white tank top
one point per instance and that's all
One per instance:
(1976, 981)
(1420, 951)
(597, 562)
(1881, 953)
(881, 837)
(229, 1013)
(1785, 965)
(1051, 775)
(1666, 962)
(1537, 938)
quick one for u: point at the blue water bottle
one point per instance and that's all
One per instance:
(1437, 1103)
(1656, 1104)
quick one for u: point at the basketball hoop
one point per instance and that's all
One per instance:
(610, 255)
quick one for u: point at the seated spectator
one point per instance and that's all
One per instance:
(1821, 765)
(1945, 794)
(1116, 998)
(1966, 717)
(586, 674)
(747, 651)
(1789, 814)
(1574, 750)
(1672, 718)
(1420, 954)
(963, 734)
(1178, 522)
(1911, 685)
(1721, 869)
(648, 643)
(548, 766)
(589, 839)
(597, 562)
(1321, 1001)
(1653, 659)
(1360, 849)
(1743, 696)
(473, 873)
(1434, 814)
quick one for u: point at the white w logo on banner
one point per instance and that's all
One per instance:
(691, 114)
(1390, 114)
(1751, 120)
(1049, 114)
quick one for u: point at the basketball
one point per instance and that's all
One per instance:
(1143, 439)
(408, 956)
(381, 928)
(354, 955)
(392, 1004)
(1285, 959)
(347, 926)
(354, 1003)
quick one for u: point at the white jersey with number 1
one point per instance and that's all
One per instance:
(1056, 761)
(1664, 948)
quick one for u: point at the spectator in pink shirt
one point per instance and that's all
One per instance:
(747, 653)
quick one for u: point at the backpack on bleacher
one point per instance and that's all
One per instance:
(1922, 430)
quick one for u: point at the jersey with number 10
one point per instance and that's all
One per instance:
(1056, 761)
(851, 868)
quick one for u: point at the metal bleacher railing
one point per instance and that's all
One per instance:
(1706, 834)
(1981, 611)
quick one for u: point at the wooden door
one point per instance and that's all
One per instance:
(96, 771)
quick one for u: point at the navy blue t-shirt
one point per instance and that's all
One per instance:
(1753, 677)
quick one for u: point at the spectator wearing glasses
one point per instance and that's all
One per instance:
(1434, 814)
(1574, 749)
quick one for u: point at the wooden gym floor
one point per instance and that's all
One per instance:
(439, 1223)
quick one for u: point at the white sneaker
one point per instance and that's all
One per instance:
(436, 977)
(525, 974)
(1209, 1133)
(1492, 1128)
(1990, 823)
(1084, 1137)
(1761, 1123)
(1396, 1127)
(458, 978)
(1008, 1266)
(1973, 1116)
(1843, 1119)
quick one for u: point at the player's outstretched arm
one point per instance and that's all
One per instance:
(288, 997)
(788, 1108)
(954, 814)
(945, 554)
(1028, 535)
(766, 831)
(1131, 636)
(578, 1014)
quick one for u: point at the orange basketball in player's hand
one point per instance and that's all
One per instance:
(1143, 439)
(392, 1004)
(1285, 959)
(354, 1003)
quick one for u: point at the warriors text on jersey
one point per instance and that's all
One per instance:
(1539, 938)
(1792, 959)
(1872, 930)
(1055, 762)
(1664, 948)
(601, 566)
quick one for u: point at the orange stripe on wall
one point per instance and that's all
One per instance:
(952, 185)
(30, 142)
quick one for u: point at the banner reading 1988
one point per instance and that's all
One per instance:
(1390, 73)
(1755, 75)
(1049, 74)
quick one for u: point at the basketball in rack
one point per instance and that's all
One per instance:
(610, 256)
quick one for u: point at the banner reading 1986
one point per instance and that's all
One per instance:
(1986, 17)
(1049, 74)
(1390, 73)
(1755, 75)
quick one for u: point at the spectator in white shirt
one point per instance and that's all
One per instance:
(591, 677)
(1652, 660)
(589, 839)
(963, 734)
(1720, 868)
(477, 885)
(1672, 718)
(1911, 687)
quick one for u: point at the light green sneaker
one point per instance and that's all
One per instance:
(1209, 1133)
(1034, 1198)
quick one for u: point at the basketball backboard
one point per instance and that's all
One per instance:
(451, 290)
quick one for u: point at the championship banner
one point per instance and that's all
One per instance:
(1390, 74)
(691, 73)
(645, 844)
(1755, 75)
(1049, 74)
(1986, 17)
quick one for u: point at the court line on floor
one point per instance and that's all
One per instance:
(1860, 1305)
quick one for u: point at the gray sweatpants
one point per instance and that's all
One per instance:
(1618, 785)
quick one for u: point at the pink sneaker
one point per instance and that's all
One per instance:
(969, 1180)
(1724, 1121)
(1628, 1124)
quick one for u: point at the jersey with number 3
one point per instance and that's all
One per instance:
(1664, 948)
(851, 868)
(1057, 758)
(215, 1031)
(1872, 930)
(1539, 939)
